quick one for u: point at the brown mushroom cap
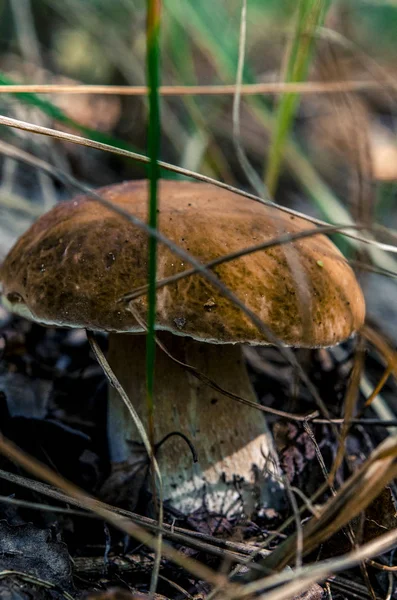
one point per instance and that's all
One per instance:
(74, 264)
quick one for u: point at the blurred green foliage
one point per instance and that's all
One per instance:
(97, 41)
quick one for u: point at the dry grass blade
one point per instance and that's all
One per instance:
(293, 583)
(308, 504)
(224, 549)
(317, 450)
(148, 443)
(379, 342)
(196, 373)
(250, 89)
(352, 498)
(379, 386)
(44, 507)
(115, 383)
(208, 274)
(274, 242)
(350, 404)
(36, 581)
(120, 522)
(298, 524)
(24, 126)
(359, 265)
(389, 356)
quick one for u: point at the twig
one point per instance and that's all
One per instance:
(248, 89)
(36, 581)
(76, 139)
(274, 242)
(86, 501)
(146, 441)
(44, 507)
(295, 583)
(199, 541)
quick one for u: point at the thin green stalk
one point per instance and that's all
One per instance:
(310, 16)
(153, 59)
(153, 54)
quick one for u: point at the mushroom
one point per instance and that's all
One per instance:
(71, 268)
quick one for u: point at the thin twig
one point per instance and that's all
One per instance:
(146, 441)
(298, 525)
(220, 260)
(44, 507)
(86, 501)
(224, 549)
(86, 142)
(29, 578)
(209, 275)
(248, 89)
(297, 582)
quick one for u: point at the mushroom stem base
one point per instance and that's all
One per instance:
(236, 461)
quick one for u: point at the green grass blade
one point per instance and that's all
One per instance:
(152, 63)
(310, 16)
(153, 27)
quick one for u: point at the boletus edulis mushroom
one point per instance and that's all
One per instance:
(71, 268)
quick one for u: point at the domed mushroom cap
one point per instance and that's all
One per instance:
(74, 264)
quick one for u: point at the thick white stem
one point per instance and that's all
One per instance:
(233, 444)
